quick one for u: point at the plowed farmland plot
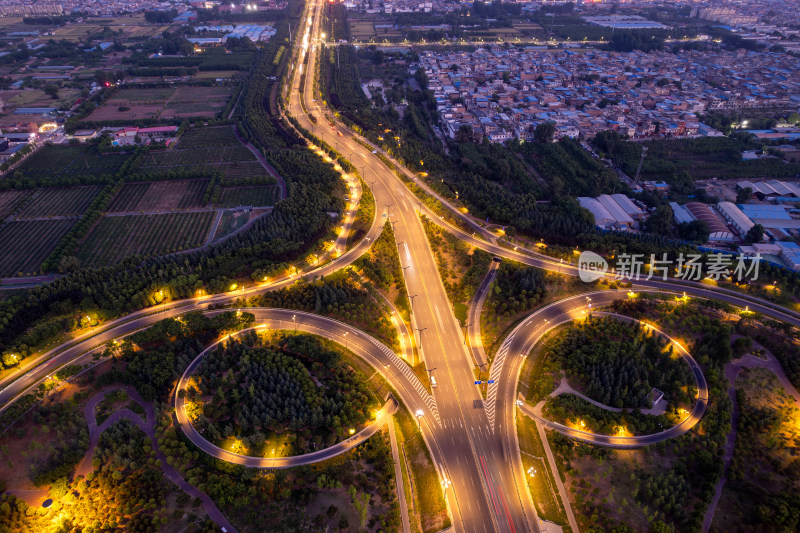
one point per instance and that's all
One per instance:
(9, 200)
(244, 196)
(159, 196)
(128, 198)
(50, 161)
(24, 245)
(167, 103)
(60, 202)
(117, 237)
(207, 138)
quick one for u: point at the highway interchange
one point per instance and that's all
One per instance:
(472, 442)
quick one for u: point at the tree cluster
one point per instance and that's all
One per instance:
(339, 295)
(517, 288)
(295, 385)
(618, 363)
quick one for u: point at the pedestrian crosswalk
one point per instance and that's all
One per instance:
(494, 375)
(428, 398)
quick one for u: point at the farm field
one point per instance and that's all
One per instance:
(24, 245)
(247, 196)
(212, 137)
(77, 160)
(159, 196)
(74, 32)
(203, 147)
(116, 237)
(208, 74)
(243, 170)
(165, 103)
(9, 200)
(177, 157)
(230, 222)
(234, 219)
(6, 22)
(31, 97)
(60, 201)
(237, 169)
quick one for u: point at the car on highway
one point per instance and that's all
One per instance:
(433, 382)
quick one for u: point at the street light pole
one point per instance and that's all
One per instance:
(294, 319)
(466, 330)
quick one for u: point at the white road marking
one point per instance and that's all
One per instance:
(439, 316)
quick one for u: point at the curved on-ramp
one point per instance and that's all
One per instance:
(369, 349)
(527, 334)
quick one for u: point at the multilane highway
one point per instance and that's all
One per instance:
(478, 484)
(475, 454)
(457, 397)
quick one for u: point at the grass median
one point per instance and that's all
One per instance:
(429, 507)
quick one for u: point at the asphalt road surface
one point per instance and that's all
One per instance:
(473, 451)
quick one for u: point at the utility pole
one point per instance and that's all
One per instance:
(639, 168)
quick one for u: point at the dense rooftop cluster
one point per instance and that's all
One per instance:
(504, 93)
